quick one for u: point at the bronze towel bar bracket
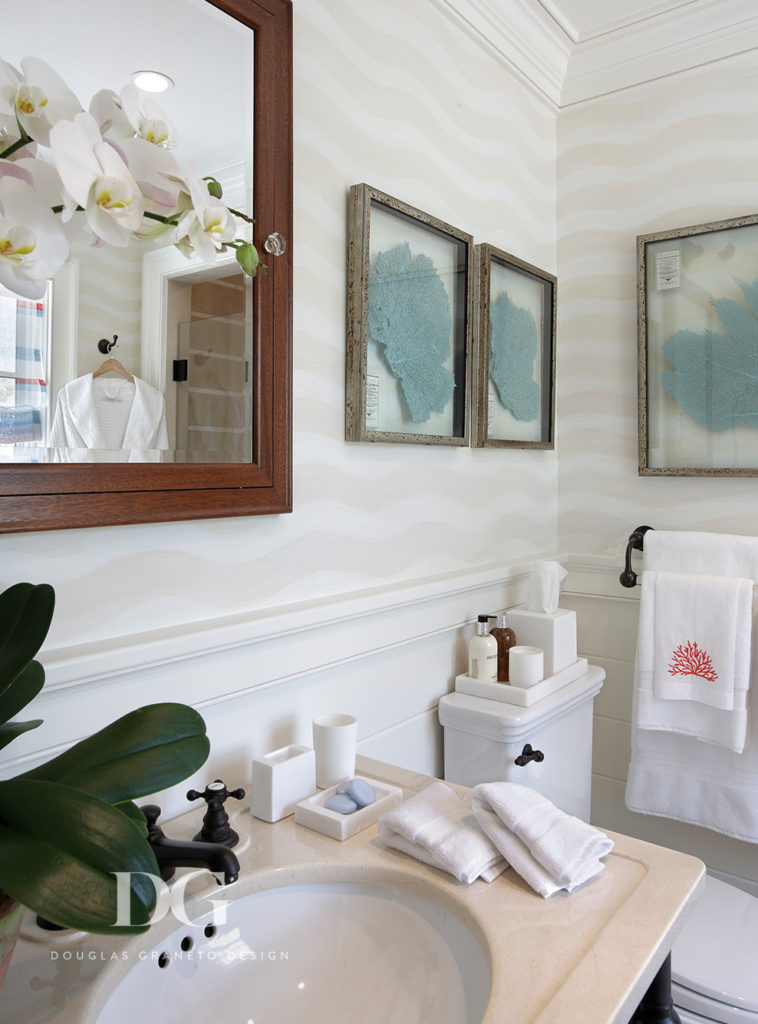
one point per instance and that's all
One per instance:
(628, 577)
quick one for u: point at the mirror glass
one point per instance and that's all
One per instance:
(138, 352)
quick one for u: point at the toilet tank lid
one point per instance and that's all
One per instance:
(715, 953)
(498, 721)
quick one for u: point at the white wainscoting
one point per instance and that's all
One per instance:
(385, 655)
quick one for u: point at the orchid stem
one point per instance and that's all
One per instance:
(18, 144)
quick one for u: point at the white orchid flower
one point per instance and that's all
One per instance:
(207, 226)
(156, 172)
(95, 177)
(33, 245)
(120, 117)
(38, 98)
(10, 133)
(108, 111)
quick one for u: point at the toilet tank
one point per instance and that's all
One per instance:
(483, 738)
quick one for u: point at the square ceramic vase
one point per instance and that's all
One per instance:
(281, 780)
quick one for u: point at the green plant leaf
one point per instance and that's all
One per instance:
(10, 730)
(146, 750)
(59, 848)
(134, 814)
(714, 377)
(26, 611)
(22, 690)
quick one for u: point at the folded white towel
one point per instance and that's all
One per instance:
(708, 723)
(678, 776)
(550, 849)
(432, 827)
(701, 637)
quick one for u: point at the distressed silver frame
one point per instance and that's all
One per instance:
(361, 199)
(485, 255)
(644, 358)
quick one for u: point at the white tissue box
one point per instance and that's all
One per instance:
(281, 780)
(554, 632)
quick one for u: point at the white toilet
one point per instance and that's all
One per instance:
(484, 738)
(714, 962)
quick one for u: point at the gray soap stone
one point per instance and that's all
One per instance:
(341, 803)
(358, 790)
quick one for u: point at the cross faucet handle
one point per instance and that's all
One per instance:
(216, 827)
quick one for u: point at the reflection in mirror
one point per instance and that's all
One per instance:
(182, 325)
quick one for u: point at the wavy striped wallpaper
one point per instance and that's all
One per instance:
(362, 598)
(390, 93)
(670, 153)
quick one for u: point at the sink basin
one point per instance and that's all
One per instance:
(322, 952)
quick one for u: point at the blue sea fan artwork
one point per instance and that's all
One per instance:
(513, 348)
(410, 316)
(715, 376)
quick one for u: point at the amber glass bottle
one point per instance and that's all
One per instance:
(506, 638)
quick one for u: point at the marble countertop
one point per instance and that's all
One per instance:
(586, 958)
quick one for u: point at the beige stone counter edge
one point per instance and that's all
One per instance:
(594, 953)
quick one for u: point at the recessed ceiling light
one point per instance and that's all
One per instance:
(152, 81)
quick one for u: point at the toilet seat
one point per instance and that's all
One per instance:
(713, 962)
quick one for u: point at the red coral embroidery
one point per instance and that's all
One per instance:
(689, 660)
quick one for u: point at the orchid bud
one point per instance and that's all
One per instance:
(248, 258)
(214, 188)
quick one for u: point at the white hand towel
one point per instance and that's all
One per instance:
(550, 849)
(701, 637)
(678, 776)
(432, 827)
(688, 717)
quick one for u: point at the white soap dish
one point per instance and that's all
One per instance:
(312, 813)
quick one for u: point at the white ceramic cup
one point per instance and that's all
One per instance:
(526, 665)
(334, 741)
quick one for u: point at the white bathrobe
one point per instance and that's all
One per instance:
(87, 427)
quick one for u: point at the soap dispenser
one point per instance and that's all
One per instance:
(505, 638)
(482, 652)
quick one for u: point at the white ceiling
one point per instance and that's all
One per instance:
(574, 50)
(208, 55)
(585, 19)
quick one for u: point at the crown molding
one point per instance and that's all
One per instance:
(661, 45)
(536, 42)
(529, 41)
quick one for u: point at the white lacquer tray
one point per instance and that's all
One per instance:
(524, 697)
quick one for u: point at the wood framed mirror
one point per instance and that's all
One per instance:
(51, 495)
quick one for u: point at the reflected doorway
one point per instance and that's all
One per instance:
(213, 397)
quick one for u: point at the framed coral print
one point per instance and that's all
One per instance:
(408, 364)
(697, 316)
(515, 400)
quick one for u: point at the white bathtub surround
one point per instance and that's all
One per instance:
(606, 941)
(677, 776)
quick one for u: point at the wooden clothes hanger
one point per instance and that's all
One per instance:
(112, 365)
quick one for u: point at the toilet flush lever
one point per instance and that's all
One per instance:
(527, 755)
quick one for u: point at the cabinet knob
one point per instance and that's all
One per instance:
(275, 244)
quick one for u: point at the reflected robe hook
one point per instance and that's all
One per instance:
(628, 577)
(105, 346)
